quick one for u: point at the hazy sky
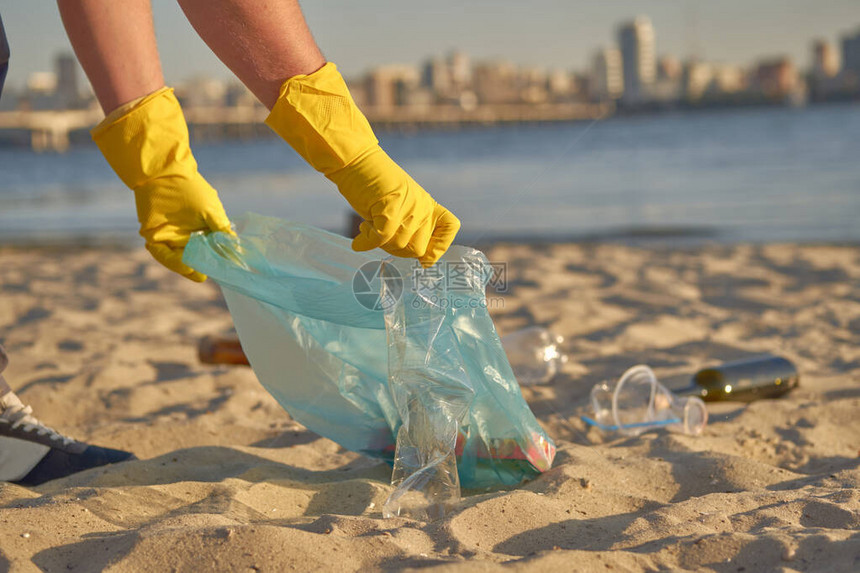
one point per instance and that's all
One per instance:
(549, 33)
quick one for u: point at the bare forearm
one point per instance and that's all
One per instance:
(115, 44)
(263, 42)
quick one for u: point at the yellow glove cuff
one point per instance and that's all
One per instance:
(126, 108)
(134, 142)
(317, 116)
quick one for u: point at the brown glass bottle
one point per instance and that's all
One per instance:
(221, 350)
(755, 378)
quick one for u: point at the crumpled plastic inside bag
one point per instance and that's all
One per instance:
(379, 355)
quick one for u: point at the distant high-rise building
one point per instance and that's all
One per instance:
(381, 92)
(436, 76)
(237, 95)
(697, 77)
(728, 79)
(42, 83)
(66, 68)
(825, 63)
(775, 79)
(461, 69)
(607, 74)
(532, 83)
(389, 86)
(496, 82)
(669, 69)
(639, 61)
(560, 84)
(824, 81)
(851, 53)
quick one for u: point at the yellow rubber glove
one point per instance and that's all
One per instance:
(146, 144)
(316, 115)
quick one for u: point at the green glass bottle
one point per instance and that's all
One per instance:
(755, 378)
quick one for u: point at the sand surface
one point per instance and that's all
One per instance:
(103, 346)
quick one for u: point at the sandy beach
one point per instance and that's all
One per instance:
(103, 346)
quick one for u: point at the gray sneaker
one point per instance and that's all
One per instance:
(32, 453)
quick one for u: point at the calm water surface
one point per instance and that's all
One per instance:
(748, 175)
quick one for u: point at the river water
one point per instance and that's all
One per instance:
(729, 176)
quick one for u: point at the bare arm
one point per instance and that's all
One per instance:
(263, 42)
(269, 47)
(115, 44)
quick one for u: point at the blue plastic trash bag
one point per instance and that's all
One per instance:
(356, 345)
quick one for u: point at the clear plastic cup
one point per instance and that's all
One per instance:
(638, 402)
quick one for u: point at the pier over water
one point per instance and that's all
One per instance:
(49, 130)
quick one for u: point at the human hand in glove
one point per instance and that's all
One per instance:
(316, 115)
(146, 143)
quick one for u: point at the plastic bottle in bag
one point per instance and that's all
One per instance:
(534, 354)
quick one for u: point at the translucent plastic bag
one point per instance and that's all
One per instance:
(312, 322)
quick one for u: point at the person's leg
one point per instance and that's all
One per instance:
(4, 56)
(263, 42)
(4, 362)
(115, 44)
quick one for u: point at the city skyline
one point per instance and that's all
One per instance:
(685, 29)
